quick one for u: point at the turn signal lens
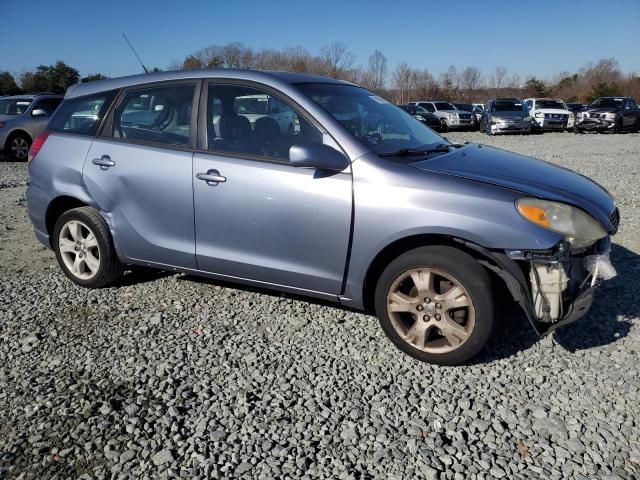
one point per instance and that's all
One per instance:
(534, 214)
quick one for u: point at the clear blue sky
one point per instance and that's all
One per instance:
(540, 37)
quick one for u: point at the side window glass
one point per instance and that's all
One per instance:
(246, 120)
(49, 105)
(81, 115)
(156, 115)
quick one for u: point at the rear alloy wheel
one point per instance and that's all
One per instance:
(434, 303)
(84, 248)
(18, 147)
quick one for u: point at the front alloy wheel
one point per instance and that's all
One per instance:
(435, 304)
(430, 310)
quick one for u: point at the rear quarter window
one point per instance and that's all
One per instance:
(81, 115)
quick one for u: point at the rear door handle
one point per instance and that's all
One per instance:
(212, 177)
(104, 162)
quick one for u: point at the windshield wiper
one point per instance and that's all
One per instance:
(405, 152)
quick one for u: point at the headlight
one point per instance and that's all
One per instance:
(611, 115)
(421, 118)
(526, 119)
(580, 228)
(539, 115)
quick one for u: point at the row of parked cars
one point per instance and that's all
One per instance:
(513, 115)
(23, 117)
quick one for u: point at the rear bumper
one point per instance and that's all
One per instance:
(37, 203)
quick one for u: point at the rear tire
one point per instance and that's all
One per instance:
(446, 317)
(84, 248)
(17, 147)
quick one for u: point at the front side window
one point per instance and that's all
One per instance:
(379, 125)
(156, 115)
(249, 121)
(444, 106)
(14, 106)
(81, 115)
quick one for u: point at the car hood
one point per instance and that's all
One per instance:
(527, 175)
(553, 110)
(603, 110)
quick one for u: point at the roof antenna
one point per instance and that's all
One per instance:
(134, 52)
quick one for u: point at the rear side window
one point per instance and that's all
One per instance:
(81, 115)
(155, 115)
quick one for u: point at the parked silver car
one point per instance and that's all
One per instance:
(505, 115)
(449, 115)
(359, 204)
(22, 118)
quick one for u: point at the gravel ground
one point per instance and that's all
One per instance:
(170, 376)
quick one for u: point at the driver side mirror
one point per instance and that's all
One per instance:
(38, 112)
(315, 155)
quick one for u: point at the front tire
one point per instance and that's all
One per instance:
(84, 248)
(435, 304)
(17, 148)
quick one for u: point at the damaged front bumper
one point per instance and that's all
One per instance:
(595, 124)
(556, 287)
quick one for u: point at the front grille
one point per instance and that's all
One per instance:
(464, 116)
(595, 115)
(615, 220)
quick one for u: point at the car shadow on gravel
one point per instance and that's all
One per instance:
(139, 275)
(615, 304)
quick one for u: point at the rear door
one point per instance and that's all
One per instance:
(139, 170)
(264, 219)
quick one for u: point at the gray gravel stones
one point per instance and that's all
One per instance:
(167, 376)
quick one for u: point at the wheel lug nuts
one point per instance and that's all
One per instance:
(426, 318)
(427, 300)
(419, 308)
(437, 316)
(438, 305)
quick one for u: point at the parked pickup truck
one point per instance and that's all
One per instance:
(609, 114)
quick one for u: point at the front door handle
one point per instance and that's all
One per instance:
(104, 162)
(212, 177)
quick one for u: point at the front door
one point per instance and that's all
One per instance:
(139, 174)
(257, 217)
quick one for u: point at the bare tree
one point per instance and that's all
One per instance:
(497, 78)
(471, 77)
(402, 77)
(337, 57)
(376, 73)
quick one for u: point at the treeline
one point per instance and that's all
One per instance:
(54, 78)
(406, 82)
(400, 85)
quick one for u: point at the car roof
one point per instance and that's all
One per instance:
(32, 96)
(264, 76)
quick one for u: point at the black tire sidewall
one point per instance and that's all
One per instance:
(462, 267)
(110, 266)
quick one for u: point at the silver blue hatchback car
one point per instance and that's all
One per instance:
(317, 187)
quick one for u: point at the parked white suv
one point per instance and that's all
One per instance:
(449, 115)
(549, 114)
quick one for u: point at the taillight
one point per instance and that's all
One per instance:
(37, 145)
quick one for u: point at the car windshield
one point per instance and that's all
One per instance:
(422, 111)
(378, 124)
(14, 106)
(506, 106)
(557, 104)
(607, 103)
(464, 106)
(444, 106)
